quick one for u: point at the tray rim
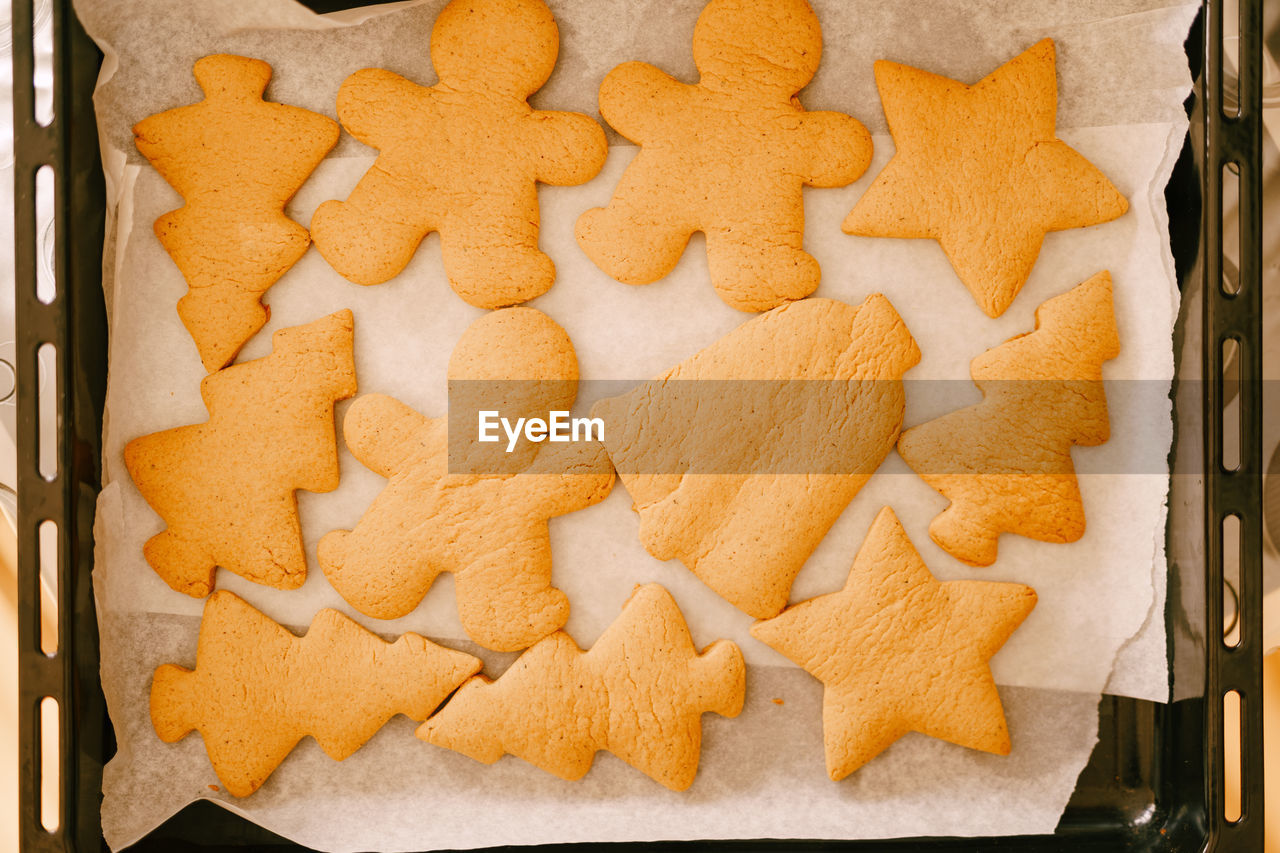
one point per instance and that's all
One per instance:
(74, 323)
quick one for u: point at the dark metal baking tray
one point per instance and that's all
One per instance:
(1155, 780)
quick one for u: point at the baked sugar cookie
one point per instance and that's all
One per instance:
(640, 693)
(728, 156)
(487, 524)
(257, 689)
(898, 651)
(462, 157)
(1005, 463)
(225, 487)
(980, 169)
(740, 458)
(237, 160)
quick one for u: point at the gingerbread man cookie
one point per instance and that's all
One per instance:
(225, 487)
(237, 160)
(462, 157)
(640, 693)
(485, 524)
(728, 156)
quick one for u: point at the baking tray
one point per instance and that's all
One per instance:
(1155, 780)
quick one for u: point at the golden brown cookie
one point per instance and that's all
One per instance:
(225, 487)
(640, 693)
(741, 458)
(980, 169)
(257, 689)
(486, 525)
(1005, 463)
(897, 651)
(728, 156)
(461, 157)
(237, 160)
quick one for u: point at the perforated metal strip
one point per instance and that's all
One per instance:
(67, 497)
(1234, 316)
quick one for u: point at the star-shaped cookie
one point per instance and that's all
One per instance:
(899, 651)
(979, 169)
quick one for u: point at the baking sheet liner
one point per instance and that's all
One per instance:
(1123, 76)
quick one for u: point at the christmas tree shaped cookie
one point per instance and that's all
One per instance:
(1005, 463)
(257, 689)
(639, 693)
(898, 651)
(237, 160)
(225, 487)
(728, 156)
(980, 169)
(740, 458)
(484, 520)
(462, 157)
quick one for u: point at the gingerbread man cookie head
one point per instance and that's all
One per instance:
(770, 44)
(517, 362)
(467, 56)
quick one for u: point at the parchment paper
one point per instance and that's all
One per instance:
(1122, 74)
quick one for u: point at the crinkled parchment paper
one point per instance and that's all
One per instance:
(1099, 624)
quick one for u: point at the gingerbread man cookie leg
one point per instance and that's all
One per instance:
(237, 160)
(756, 266)
(491, 252)
(656, 232)
(505, 598)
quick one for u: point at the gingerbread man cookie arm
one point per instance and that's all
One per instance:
(569, 477)
(571, 147)
(372, 236)
(838, 149)
(374, 105)
(641, 101)
(384, 433)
